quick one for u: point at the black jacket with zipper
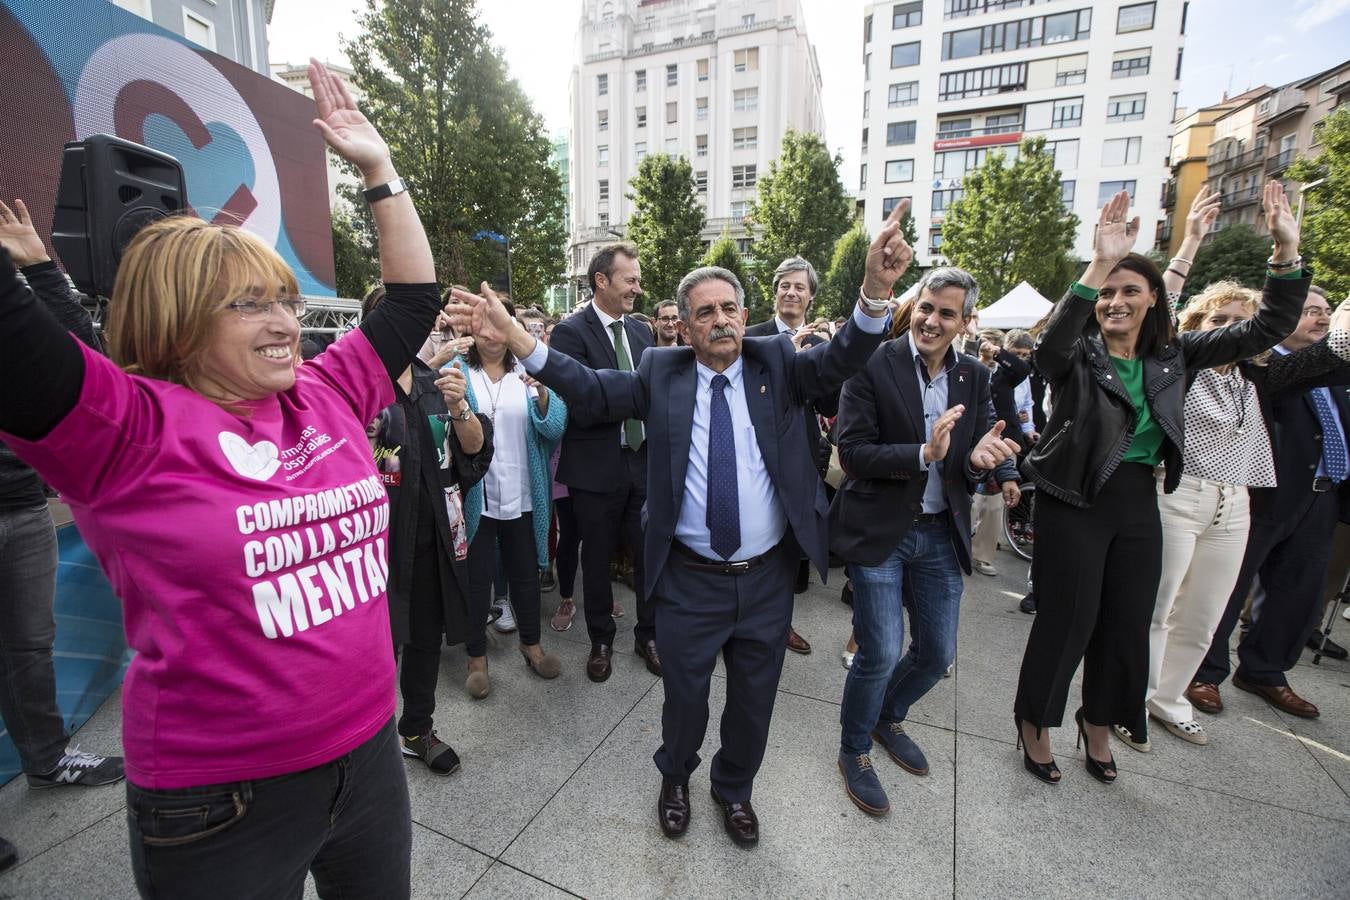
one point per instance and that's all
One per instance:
(1093, 419)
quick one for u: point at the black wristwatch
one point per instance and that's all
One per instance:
(380, 191)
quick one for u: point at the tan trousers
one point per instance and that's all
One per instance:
(1204, 526)
(987, 513)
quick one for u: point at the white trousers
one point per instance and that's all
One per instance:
(1204, 525)
(987, 510)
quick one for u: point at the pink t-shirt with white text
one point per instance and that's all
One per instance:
(249, 552)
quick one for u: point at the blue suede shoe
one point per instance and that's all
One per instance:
(902, 749)
(862, 784)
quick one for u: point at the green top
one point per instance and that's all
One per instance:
(1146, 444)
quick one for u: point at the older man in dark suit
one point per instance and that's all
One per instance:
(733, 500)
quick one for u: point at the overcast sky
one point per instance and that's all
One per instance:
(1230, 45)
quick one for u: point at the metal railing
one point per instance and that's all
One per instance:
(1281, 161)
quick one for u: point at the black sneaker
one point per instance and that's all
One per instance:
(1028, 604)
(78, 767)
(8, 854)
(439, 756)
(547, 580)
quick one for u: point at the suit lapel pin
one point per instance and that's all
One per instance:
(763, 389)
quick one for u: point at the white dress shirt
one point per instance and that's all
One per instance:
(506, 484)
(606, 321)
(785, 328)
(1025, 403)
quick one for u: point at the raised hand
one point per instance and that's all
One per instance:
(1281, 222)
(936, 446)
(19, 237)
(483, 315)
(1204, 210)
(1116, 235)
(993, 449)
(345, 127)
(889, 255)
(452, 385)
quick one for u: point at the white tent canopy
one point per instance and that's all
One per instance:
(1021, 307)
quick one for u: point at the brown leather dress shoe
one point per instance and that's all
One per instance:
(740, 821)
(672, 808)
(1205, 697)
(647, 650)
(796, 643)
(1281, 697)
(598, 664)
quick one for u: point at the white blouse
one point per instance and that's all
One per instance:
(1226, 439)
(506, 486)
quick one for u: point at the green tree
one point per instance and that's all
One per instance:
(847, 268)
(354, 258)
(465, 138)
(1235, 253)
(801, 209)
(724, 252)
(1010, 226)
(1326, 213)
(666, 224)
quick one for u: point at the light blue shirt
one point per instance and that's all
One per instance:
(934, 405)
(1335, 414)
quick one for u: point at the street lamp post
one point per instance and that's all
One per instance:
(1301, 191)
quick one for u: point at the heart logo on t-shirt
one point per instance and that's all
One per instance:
(259, 461)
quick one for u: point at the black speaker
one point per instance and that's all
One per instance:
(109, 190)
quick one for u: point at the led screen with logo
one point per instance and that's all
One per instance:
(73, 68)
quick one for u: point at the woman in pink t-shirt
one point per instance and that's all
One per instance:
(229, 493)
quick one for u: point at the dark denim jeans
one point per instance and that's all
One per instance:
(347, 821)
(27, 632)
(923, 574)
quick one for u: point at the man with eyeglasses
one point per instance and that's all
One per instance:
(1289, 544)
(667, 314)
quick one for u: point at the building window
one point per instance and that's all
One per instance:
(602, 154)
(601, 85)
(740, 209)
(742, 176)
(672, 146)
(702, 70)
(934, 240)
(864, 140)
(867, 103)
(1041, 31)
(672, 75)
(745, 138)
(1067, 113)
(604, 189)
(907, 15)
(862, 177)
(943, 199)
(888, 204)
(1065, 154)
(867, 30)
(700, 109)
(981, 82)
(701, 181)
(905, 93)
(602, 120)
(1130, 63)
(1125, 108)
(1121, 151)
(604, 219)
(746, 60)
(1066, 194)
(1138, 17)
(867, 66)
(747, 21)
(642, 117)
(139, 7)
(672, 113)
(899, 133)
(640, 83)
(898, 170)
(953, 128)
(639, 150)
(745, 100)
(903, 55)
(1072, 73)
(1108, 189)
(199, 30)
(1003, 123)
(701, 145)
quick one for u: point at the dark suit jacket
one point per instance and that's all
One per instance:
(826, 406)
(1296, 440)
(880, 429)
(590, 445)
(779, 382)
(1011, 372)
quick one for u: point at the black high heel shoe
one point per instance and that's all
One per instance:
(1105, 772)
(1047, 772)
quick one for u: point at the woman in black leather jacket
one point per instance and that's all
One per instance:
(1117, 373)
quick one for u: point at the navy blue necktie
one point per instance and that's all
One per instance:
(724, 507)
(1334, 458)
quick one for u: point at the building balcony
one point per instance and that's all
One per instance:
(1169, 194)
(1253, 157)
(1280, 162)
(1219, 165)
(1164, 234)
(1241, 197)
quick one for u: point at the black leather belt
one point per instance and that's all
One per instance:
(1323, 484)
(938, 518)
(721, 567)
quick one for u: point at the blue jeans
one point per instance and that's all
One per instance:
(923, 574)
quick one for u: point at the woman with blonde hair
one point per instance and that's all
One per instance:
(228, 491)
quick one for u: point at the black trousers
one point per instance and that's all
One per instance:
(1096, 573)
(569, 547)
(426, 626)
(1291, 558)
(745, 618)
(522, 572)
(602, 518)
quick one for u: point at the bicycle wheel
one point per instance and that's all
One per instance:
(1017, 528)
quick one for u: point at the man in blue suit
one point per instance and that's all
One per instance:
(733, 500)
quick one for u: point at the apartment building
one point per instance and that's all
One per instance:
(718, 82)
(949, 81)
(1259, 138)
(236, 29)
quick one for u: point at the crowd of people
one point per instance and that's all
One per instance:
(338, 520)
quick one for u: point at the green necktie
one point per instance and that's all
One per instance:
(632, 428)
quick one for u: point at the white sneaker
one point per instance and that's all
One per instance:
(506, 622)
(1346, 615)
(985, 568)
(1188, 731)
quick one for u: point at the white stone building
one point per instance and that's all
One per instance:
(946, 81)
(718, 82)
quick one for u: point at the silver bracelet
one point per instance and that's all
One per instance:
(874, 305)
(1183, 259)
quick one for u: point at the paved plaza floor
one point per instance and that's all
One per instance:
(558, 792)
